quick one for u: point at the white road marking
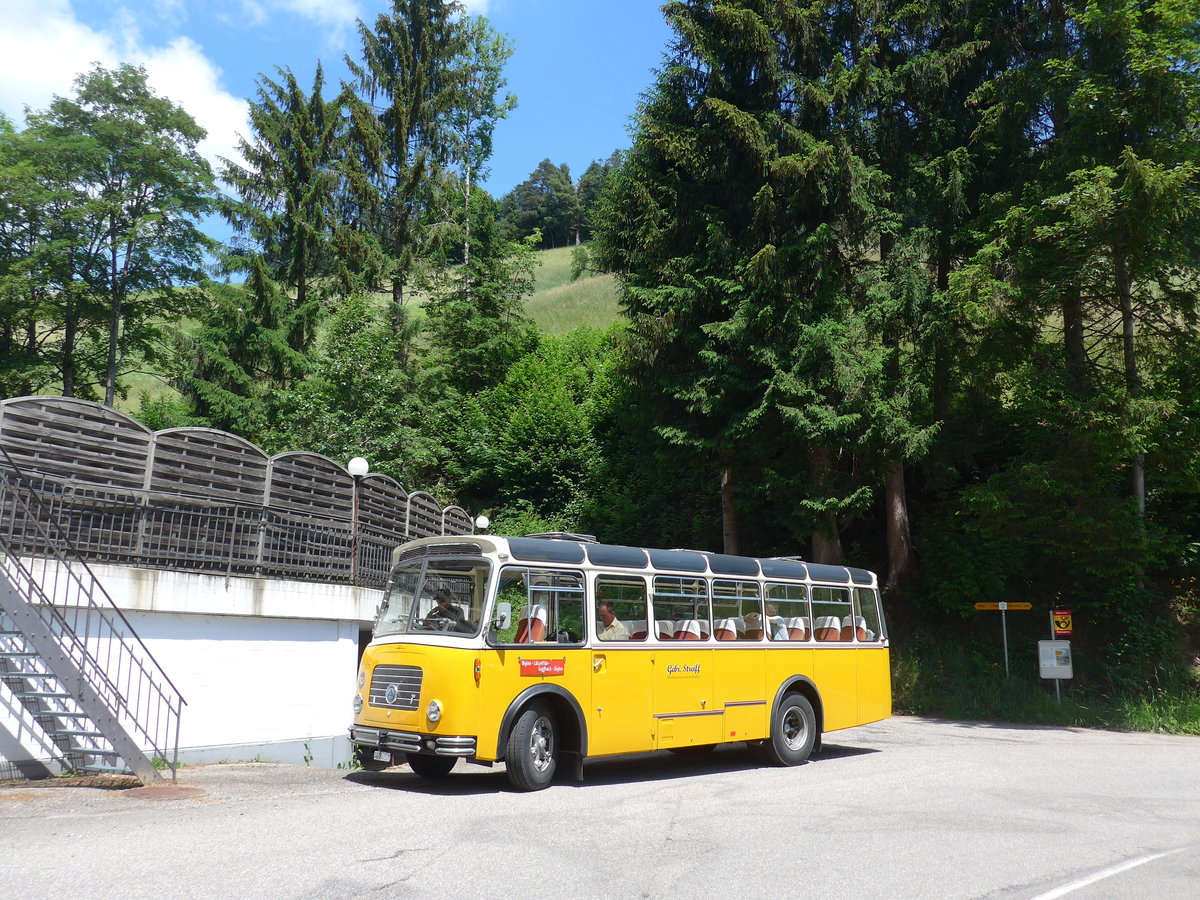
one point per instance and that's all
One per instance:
(1105, 873)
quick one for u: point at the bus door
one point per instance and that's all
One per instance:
(739, 662)
(874, 670)
(835, 662)
(620, 720)
(686, 712)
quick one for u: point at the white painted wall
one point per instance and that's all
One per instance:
(267, 667)
(255, 680)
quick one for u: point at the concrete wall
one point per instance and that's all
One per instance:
(267, 667)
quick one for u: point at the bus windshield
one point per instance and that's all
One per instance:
(434, 596)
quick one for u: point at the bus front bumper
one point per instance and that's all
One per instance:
(411, 742)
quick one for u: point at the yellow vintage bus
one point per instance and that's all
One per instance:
(543, 650)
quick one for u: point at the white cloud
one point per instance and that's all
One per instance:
(325, 12)
(183, 73)
(43, 46)
(476, 7)
(253, 12)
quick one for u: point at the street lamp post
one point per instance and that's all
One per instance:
(357, 467)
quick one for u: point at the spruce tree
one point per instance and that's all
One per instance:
(286, 190)
(408, 84)
(741, 224)
(241, 353)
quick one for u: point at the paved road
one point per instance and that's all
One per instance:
(904, 809)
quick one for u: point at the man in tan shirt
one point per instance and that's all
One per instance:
(614, 629)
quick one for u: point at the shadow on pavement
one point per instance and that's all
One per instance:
(659, 766)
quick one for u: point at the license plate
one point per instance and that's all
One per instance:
(383, 756)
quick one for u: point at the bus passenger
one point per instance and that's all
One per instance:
(614, 629)
(778, 631)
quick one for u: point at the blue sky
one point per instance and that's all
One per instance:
(577, 70)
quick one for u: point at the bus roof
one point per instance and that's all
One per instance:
(547, 549)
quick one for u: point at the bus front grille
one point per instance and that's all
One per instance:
(396, 687)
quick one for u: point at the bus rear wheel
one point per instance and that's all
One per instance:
(430, 766)
(532, 753)
(793, 731)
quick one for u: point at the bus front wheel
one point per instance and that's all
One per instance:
(532, 753)
(793, 731)
(430, 766)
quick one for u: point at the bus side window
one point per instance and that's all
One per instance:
(547, 605)
(681, 608)
(737, 610)
(624, 602)
(830, 608)
(788, 613)
(869, 625)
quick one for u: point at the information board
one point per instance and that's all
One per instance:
(1054, 659)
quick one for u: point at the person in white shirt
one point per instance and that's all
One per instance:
(614, 629)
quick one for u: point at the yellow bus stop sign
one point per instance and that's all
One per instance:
(1063, 626)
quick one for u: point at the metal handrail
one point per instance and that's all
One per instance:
(87, 625)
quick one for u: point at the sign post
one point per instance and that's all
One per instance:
(1004, 607)
(1061, 626)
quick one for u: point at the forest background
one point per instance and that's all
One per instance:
(911, 285)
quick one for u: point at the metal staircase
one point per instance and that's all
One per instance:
(69, 657)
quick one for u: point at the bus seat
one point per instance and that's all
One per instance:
(753, 626)
(664, 630)
(687, 630)
(740, 625)
(727, 631)
(529, 631)
(637, 630)
(828, 628)
(797, 629)
(852, 624)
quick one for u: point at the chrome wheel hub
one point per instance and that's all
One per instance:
(541, 744)
(795, 729)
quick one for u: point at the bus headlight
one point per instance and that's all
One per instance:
(358, 704)
(434, 711)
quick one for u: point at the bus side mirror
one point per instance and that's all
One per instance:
(503, 616)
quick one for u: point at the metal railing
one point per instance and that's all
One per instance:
(78, 613)
(191, 534)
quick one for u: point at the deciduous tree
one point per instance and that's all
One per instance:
(141, 189)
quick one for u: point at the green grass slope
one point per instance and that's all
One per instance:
(559, 305)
